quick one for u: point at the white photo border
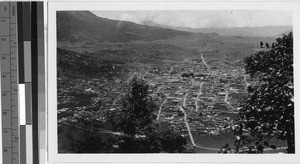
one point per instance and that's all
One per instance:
(55, 157)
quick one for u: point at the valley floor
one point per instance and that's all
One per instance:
(196, 99)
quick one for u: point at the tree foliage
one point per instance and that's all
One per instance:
(172, 142)
(92, 142)
(154, 142)
(137, 114)
(269, 108)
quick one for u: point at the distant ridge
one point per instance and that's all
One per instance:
(265, 31)
(84, 26)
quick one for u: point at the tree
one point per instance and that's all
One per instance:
(92, 142)
(172, 142)
(273, 45)
(267, 45)
(261, 45)
(137, 115)
(269, 109)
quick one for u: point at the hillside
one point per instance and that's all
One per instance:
(83, 26)
(265, 31)
(82, 30)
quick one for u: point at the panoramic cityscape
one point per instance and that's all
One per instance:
(195, 77)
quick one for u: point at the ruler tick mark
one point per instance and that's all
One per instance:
(10, 38)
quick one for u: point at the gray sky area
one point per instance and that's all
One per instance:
(205, 18)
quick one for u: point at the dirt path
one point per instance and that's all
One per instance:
(247, 84)
(98, 130)
(187, 92)
(160, 108)
(204, 62)
(188, 127)
(197, 98)
(159, 88)
(226, 97)
(184, 99)
(128, 80)
(226, 101)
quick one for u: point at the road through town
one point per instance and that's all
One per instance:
(187, 126)
(197, 98)
(160, 108)
(128, 80)
(204, 62)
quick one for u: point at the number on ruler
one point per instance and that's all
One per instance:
(4, 131)
(13, 10)
(3, 57)
(5, 150)
(4, 94)
(4, 113)
(3, 39)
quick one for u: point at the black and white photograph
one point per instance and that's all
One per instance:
(181, 81)
(150, 82)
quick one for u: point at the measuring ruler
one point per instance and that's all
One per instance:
(9, 82)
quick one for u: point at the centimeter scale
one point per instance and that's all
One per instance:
(9, 82)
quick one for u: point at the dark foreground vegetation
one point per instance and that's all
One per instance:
(268, 111)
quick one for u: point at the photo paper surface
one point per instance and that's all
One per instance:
(173, 81)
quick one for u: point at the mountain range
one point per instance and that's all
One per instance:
(79, 26)
(265, 31)
(84, 26)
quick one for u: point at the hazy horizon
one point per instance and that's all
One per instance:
(204, 18)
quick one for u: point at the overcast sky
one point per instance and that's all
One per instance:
(205, 18)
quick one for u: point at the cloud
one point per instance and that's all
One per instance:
(204, 18)
(130, 17)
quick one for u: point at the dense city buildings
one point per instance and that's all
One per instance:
(194, 98)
